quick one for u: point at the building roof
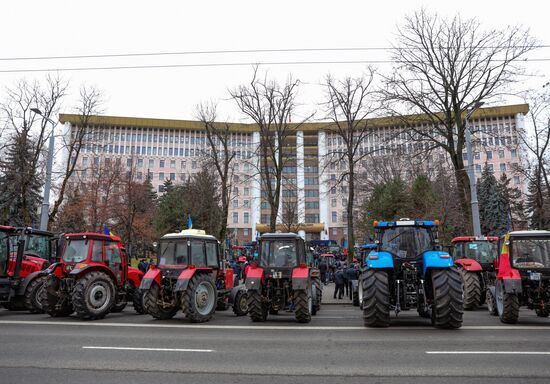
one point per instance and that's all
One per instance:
(193, 125)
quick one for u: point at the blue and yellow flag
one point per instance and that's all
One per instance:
(107, 231)
(189, 222)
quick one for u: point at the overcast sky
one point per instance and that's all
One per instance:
(62, 28)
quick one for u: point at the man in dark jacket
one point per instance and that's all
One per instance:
(351, 274)
(323, 270)
(339, 284)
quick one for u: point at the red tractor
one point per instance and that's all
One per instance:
(522, 276)
(92, 278)
(38, 251)
(190, 276)
(280, 279)
(474, 258)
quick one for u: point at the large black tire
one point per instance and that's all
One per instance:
(543, 312)
(222, 304)
(53, 302)
(16, 304)
(152, 307)
(507, 304)
(240, 306)
(447, 298)
(303, 303)
(491, 303)
(318, 288)
(376, 298)
(257, 309)
(33, 297)
(199, 300)
(471, 289)
(93, 296)
(119, 307)
(355, 297)
(137, 300)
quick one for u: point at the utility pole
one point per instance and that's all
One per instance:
(471, 172)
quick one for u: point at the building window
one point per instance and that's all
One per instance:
(264, 205)
(491, 167)
(514, 153)
(333, 203)
(516, 179)
(501, 153)
(502, 167)
(182, 164)
(172, 176)
(246, 191)
(194, 165)
(312, 218)
(245, 231)
(235, 217)
(334, 217)
(151, 163)
(139, 175)
(140, 163)
(246, 217)
(235, 203)
(161, 188)
(161, 176)
(476, 155)
(489, 155)
(236, 191)
(333, 191)
(478, 167)
(246, 203)
(172, 163)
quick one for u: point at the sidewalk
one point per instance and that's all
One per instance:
(328, 296)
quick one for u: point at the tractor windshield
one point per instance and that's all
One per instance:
(481, 251)
(406, 242)
(173, 252)
(38, 246)
(4, 251)
(278, 253)
(75, 251)
(530, 253)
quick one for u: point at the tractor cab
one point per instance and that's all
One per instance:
(280, 253)
(407, 240)
(483, 250)
(529, 250)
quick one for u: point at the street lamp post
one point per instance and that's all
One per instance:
(471, 174)
(44, 212)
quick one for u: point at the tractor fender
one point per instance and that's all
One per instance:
(505, 270)
(26, 281)
(53, 269)
(80, 269)
(469, 265)
(254, 279)
(152, 275)
(379, 260)
(512, 285)
(436, 259)
(229, 278)
(300, 278)
(135, 276)
(186, 275)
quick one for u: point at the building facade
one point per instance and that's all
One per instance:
(313, 194)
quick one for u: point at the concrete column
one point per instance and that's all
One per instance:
(323, 184)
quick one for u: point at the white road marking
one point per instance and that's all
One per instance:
(148, 349)
(486, 353)
(273, 327)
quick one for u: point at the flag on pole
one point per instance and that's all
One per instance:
(107, 231)
(189, 222)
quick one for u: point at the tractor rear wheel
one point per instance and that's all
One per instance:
(507, 304)
(471, 289)
(151, 299)
(93, 296)
(54, 302)
(199, 300)
(376, 298)
(240, 306)
(137, 300)
(491, 303)
(303, 302)
(447, 298)
(33, 296)
(257, 309)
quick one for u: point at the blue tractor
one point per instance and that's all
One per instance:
(408, 270)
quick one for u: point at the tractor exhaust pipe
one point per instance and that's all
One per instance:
(19, 258)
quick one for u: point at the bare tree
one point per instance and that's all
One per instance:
(221, 156)
(89, 105)
(443, 69)
(349, 103)
(270, 106)
(29, 133)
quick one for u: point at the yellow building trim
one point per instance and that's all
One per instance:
(308, 228)
(138, 122)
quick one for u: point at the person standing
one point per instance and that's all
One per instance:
(339, 284)
(323, 267)
(351, 274)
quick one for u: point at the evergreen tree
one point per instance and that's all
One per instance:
(493, 207)
(537, 206)
(172, 206)
(422, 197)
(20, 184)
(389, 201)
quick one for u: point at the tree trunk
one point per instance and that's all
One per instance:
(463, 187)
(351, 196)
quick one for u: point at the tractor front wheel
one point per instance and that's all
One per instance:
(199, 299)
(471, 289)
(33, 295)
(151, 299)
(318, 295)
(376, 298)
(137, 300)
(447, 298)
(507, 304)
(55, 302)
(303, 301)
(240, 305)
(491, 302)
(257, 309)
(93, 296)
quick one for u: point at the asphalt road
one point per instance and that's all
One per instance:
(333, 348)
